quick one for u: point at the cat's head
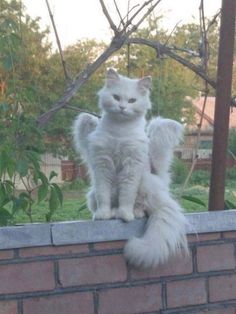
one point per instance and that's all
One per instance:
(126, 98)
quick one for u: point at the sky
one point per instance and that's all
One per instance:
(80, 19)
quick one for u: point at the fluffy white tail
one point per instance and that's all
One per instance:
(165, 234)
(164, 135)
(164, 238)
(83, 126)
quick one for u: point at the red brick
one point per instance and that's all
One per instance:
(203, 237)
(229, 235)
(222, 288)
(92, 270)
(215, 257)
(109, 245)
(36, 276)
(8, 307)
(76, 303)
(54, 250)
(176, 266)
(130, 300)
(6, 254)
(186, 292)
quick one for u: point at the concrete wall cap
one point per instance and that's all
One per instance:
(75, 232)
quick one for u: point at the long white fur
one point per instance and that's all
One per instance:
(129, 168)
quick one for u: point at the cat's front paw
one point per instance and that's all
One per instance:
(102, 214)
(139, 213)
(126, 215)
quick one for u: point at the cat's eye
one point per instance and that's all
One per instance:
(132, 100)
(116, 97)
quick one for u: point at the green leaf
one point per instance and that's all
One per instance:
(48, 217)
(19, 203)
(5, 201)
(42, 192)
(5, 216)
(22, 167)
(9, 186)
(42, 177)
(2, 192)
(229, 205)
(52, 175)
(53, 200)
(34, 158)
(10, 168)
(83, 206)
(193, 200)
(59, 192)
(3, 162)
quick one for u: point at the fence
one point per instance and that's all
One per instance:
(78, 267)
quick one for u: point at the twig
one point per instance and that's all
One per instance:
(167, 51)
(203, 49)
(199, 128)
(108, 17)
(174, 28)
(82, 110)
(81, 79)
(134, 28)
(120, 16)
(213, 20)
(66, 74)
(127, 15)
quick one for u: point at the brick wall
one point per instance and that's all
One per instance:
(94, 278)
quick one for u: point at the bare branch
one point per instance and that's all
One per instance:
(174, 28)
(66, 74)
(120, 16)
(161, 49)
(82, 110)
(142, 18)
(81, 79)
(213, 20)
(126, 17)
(203, 49)
(107, 15)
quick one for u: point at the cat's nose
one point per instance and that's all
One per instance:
(122, 107)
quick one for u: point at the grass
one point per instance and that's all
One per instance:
(72, 208)
(74, 201)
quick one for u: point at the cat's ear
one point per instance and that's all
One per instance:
(145, 83)
(112, 77)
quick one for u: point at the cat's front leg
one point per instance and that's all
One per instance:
(103, 197)
(129, 180)
(103, 173)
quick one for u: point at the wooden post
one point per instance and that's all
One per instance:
(222, 105)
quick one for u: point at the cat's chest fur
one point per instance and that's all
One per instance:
(120, 149)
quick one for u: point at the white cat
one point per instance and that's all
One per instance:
(129, 168)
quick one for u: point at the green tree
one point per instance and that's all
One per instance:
(22, 144)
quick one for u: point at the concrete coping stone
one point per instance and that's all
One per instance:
(88, 231)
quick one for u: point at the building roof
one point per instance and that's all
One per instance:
(208, 117)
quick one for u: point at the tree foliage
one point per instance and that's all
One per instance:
(22, 143)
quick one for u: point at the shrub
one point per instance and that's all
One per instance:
(179, 171)
(200, 177)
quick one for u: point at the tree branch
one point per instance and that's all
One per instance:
(66, 74)
(81, 79)
(119, 39)
(108, 17)
(161, 49)
(82, 110)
